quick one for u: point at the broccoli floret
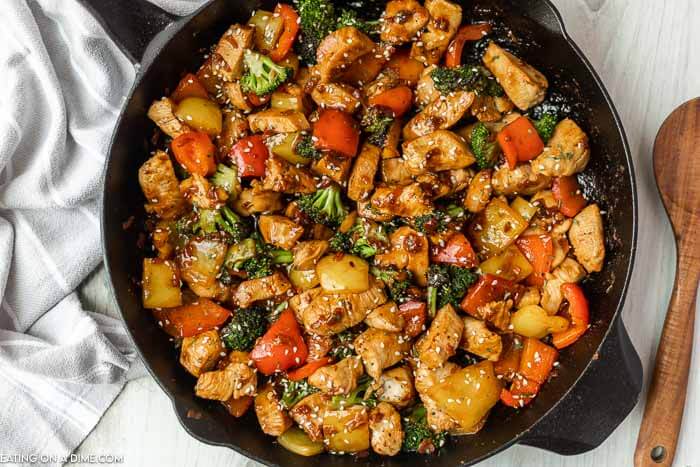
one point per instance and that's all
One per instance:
(262, 264)
(484, 147)
(227, 178)
(317, 20)
(244, 328)
(340, 242)
(376, 123)
(224, 220)
(343, 344)
(474, 78)
(363, 248)
(350, 18)
(447, 283)
(418, 437)
(305, 148)
(354, 242)
(356, 396)
(294, 391)
(438, 220)
(545, 125)
(262, 75)
(324, 206)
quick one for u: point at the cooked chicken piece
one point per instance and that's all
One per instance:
(567, 152)
(367, 67)
(261, 289)
(386, 317)
(334, 166)
(238, 407)
(390, 148)
(395, 386)
(336, 96)
(237, 379)
(161, 112)
(522, 180)
(479, 193)
(234, 94)
(425, 378)
(340, 378)
(410, 251)
(200, 353)
(273, 420)
(569, 271)
(339, 50)
(309, 413)
(283, 177)
(395, 172)
(307, 254)
(380, 349)
(440, 114)
(319, 346)
(402, 20)
(531, 296)
(367, 211)
(426, 92)
(403, 201)
(485, 108)
(361, 182)
(235, 127)
(300, 302)
(339, 425)
(496, 313)
(561, 249)
(293, 97)
(280, 231)
(387, 79)
(161, 239)
(160, 187)
(256, 199)
(442, 338)
(480, 341)
(200, 262)
(329, 314)
(586, 236)
(278, 121)
(524, 85)
(445, 183)
(439, 150)
(231, 48)
(445, 19)
(320, 232)
(385, 430)
(201, 193)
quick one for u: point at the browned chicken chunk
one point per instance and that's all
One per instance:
(479, 340)
(340, 378)
(336, 96)
(278, 121)
(309, 412)
(237, 379)
(445, 19)
(402, 20)
(272, 418)
(380, 349)
(200, 353)
(361, 181)
(586, 236)
(261, 289)
(440, 114)
(160, 187)
(385, 429)
(400, 200)
(280, 231)
(161, 112)
(442, 338)
(386, 317)
(283, 177)
(339, 50)
(567, 152)
(395, 386)
(437, 151)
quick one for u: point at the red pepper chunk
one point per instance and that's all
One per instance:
(250, 155)
(398, 99)
(469, 32)
(537, 360)
(457, 250)
(290, 25)
(189, 86)
(520, 141)
(488, 288)
(308, 369)
(414, 314)
(521, 393)
(191, 319)
(568, 193)
(539, 251)
(281, 348)
(580, 316)
(195, 152)
(336, 131)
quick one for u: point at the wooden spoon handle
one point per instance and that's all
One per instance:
(663, 414)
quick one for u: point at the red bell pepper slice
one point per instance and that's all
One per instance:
(282, 347)
(509, 362)
(250, 155)
(290, 24)
(580, 316)
(470, 32)
(537, 360)
(336, 131)
(308, 369)
(257, 101)
(457, 250)
(568, 193)
(520, 141)
(488, 288)
(195, 152)
(398, 99)
(414, 314)
(539, 251)
(191, 319)
(521, 393)
(189, 86)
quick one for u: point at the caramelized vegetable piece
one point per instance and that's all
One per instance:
(290, 25)
(398, 99)
(520, 141)
(414, 314)
(298, 442)
(189, 86)
(192, 319)
(521, 393)
(343, 274)
(336, 131)
(195, 152)
(282, 346)
(488, 288)
(250, 154)
(409, 69)
(308, 369)
(469, 32)
(347, 430)
(496, 227)
(161, 284)
(539, 251)
(580, 318)
(511, 265)
(201, 114)
(456, 250)
(533, 321)
(568, 193)
(537, 360)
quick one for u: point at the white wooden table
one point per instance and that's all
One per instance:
(648, 55)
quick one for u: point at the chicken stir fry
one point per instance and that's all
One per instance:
(360, 234)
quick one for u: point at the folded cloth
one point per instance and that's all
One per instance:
(61, 87)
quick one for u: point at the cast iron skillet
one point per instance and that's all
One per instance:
(599, 378)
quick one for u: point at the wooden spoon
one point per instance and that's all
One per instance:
(677, 169)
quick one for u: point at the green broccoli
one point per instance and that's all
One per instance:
(262, 264)
(343, 343)
(484, 147)
(223, 220)
(350, 18)
(262, 75)
(474, 78)
(363, 248)
(545, 125)
(325, 206)
(244, 329)
(227, 178)
(304, 146)
(317, 19)
(340, 242)
(355, 242)
(438, 220)
(418, 437)
(447, 283)
(376, 123)
(294, 391)
(356, 396)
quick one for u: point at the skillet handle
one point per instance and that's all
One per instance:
(601, 400)
(131, 24)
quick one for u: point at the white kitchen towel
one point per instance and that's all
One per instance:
(62, 83)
